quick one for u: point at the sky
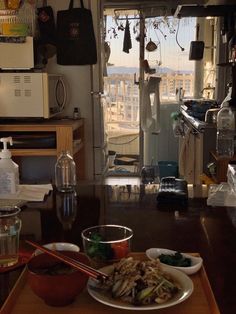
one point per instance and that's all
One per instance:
(168, 52)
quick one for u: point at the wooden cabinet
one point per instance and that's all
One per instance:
(67, 135)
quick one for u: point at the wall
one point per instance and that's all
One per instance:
(79, 86)
(78, 80)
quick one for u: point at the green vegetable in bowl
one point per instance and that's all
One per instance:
(176, 259)
(99, 250)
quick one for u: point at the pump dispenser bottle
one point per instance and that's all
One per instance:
(9, 170)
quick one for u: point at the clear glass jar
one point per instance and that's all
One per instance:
(10, 226)
(65, 173)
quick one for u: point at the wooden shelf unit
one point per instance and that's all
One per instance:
(69, 137)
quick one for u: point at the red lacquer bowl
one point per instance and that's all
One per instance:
(53, 281)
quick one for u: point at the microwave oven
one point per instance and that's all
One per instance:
(31, 95)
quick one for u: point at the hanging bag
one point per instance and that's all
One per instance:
(76, 44)
(46, 23)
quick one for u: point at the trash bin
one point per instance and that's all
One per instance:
(168, 169)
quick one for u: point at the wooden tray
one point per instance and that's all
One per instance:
(23, 301)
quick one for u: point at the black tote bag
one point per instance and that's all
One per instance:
(46, 23)
(76, 44)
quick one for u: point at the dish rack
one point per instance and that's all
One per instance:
(25, 18)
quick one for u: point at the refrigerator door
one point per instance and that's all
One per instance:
(99, 119)
(98, 98)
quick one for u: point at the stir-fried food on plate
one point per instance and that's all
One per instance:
(140, 282)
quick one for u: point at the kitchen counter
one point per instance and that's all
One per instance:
(194, 228)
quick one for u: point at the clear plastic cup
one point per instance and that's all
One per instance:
(10, 226)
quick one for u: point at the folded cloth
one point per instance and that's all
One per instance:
(127, 45)
(29, 192)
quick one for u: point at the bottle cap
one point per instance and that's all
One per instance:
(5, 153)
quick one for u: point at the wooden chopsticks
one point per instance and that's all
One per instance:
(91, 272)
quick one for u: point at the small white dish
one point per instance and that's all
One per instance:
(196, 262)
(59, 246)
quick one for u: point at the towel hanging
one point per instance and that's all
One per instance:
(150, 114)
(127, 45)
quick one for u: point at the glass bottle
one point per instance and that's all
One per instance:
(76, 113)
(66, 204)
(65, 173)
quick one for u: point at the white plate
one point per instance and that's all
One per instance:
(184, 281)
(196, 262)
(59, 246)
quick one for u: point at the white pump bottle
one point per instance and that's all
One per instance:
(9, 170)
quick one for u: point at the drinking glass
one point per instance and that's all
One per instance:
(10, 226)
(106, 244)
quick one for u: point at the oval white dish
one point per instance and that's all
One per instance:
(196, 262)
(185, 292)
(59, 246)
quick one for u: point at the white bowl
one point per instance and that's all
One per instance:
(59, 246)
(196, 262)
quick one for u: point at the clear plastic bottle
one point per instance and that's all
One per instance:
(225, 132)
(65, 173)
(9, 170)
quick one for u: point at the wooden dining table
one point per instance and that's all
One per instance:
(193, 228)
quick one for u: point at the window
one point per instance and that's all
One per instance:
(169, 61)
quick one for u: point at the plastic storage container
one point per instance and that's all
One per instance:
(65, 173)
(225, 132)
(9, 170)
(231, 176)
(168, 169)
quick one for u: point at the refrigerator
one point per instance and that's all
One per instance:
(99, 100)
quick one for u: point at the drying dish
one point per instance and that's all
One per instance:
(196, 262)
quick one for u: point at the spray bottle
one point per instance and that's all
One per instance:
(9, 170)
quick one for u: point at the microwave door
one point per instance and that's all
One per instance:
(61, 95)
(57, 94)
